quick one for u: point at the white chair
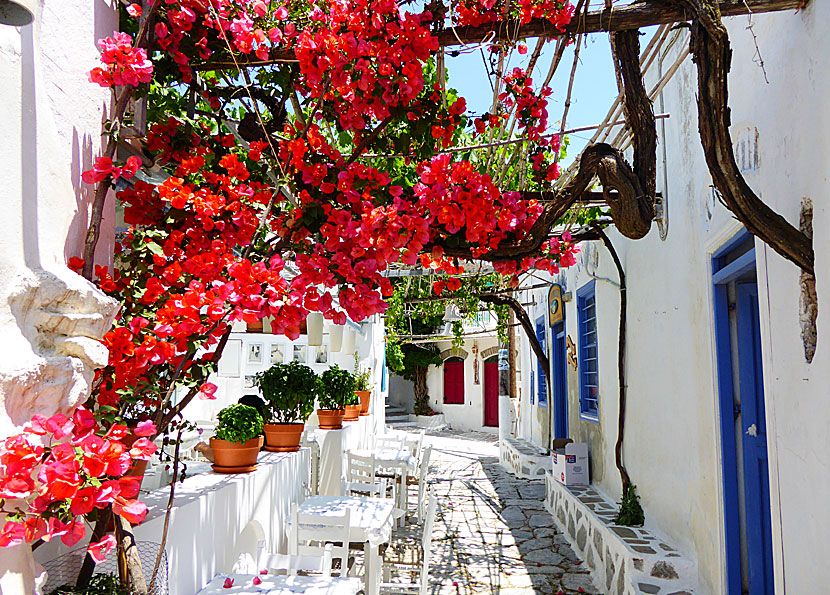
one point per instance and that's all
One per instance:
(308, 535)
(291, 563)
(389, 441)
(422, 481)
(415, 444)
(426, 545)
(362, 478)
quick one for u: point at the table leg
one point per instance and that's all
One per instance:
(373, 564)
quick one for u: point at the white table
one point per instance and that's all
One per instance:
(398, 460)
(282, 585)
(371, 522)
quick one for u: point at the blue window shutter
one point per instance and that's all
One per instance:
(588, 352)
(541, 373)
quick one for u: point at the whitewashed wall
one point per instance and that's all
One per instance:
(672, 444)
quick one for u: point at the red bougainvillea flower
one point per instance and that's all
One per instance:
(124, 64)
(98, 551)
(145, 428)
(228, 584)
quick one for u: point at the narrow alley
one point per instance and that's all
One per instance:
(492, 533)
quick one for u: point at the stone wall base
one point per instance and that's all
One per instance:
(430, 422)
(523, 459)
(623, 560)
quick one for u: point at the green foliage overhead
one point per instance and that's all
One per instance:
(336, 388)
(238, 424)
(418, 356)
(289, 390)
(630, 513)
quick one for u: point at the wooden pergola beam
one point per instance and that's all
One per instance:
(618, 18)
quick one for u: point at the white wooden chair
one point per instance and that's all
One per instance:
(415, 444)
(292, 563)
(389, 441)
(420, 587)
(309, 534)
(423, 470)
(362, 478)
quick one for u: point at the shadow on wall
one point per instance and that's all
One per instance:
(401, 393)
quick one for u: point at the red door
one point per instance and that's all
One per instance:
(454, 382)
(491, 394)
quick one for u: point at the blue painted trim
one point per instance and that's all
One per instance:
(736, 268)
(582, 294)
(739, 238)
(542, 385)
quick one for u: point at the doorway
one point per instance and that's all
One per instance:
(559, 363)
(491, 391)
(747, 514)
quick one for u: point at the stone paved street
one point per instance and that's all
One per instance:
(492, 533)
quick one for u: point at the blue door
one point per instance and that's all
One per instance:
(754, 442)
(541, 376)
(747, 515)
(560, 382)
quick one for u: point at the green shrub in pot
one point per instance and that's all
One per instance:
(289, 390)
(336, 388)
(239, 424)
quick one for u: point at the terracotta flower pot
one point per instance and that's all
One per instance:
(230, 457)
(365, 396)
(283, 437)
(331, 419)
(352, 412)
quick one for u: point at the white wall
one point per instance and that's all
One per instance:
(672, 440)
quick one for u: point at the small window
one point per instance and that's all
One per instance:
(588, 369)
(542, 385)
(454, 381)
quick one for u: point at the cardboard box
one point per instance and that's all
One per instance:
(570, 465)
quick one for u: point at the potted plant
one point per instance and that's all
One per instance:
(352, 407)
(238, 439)
(362, 387)
(289, 391)
(335, 390)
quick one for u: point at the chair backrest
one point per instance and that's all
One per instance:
(416, 444)
(362, 478)
(426, 542)
(308, 534)
(291, 563)
(422, 480)
(390, 441)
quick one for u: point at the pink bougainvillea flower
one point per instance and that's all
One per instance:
(13, 534)
(134, 10)
(133, 510)
(132, 165)
(142, 449)
(228, 583)
(98, 551)
(257, 580)
(75, 531)
(264, 571)
(207, 391)
(145, 428)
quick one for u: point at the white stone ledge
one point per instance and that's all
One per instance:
(622, 560)
(523, 459)
(429, 422)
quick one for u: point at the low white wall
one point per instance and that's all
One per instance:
(217, 518)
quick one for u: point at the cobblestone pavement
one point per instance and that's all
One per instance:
(492, 533)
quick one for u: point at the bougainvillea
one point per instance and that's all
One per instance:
(294, 151)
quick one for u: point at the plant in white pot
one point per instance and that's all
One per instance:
(289, 390)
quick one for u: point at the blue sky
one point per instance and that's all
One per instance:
(595, 86)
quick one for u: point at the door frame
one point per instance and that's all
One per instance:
(721, 275)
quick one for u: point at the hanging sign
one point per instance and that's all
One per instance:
(556, 307)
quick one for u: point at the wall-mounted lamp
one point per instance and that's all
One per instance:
(17, 13)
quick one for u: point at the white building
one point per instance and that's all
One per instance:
(726, 422)
(464, 388)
